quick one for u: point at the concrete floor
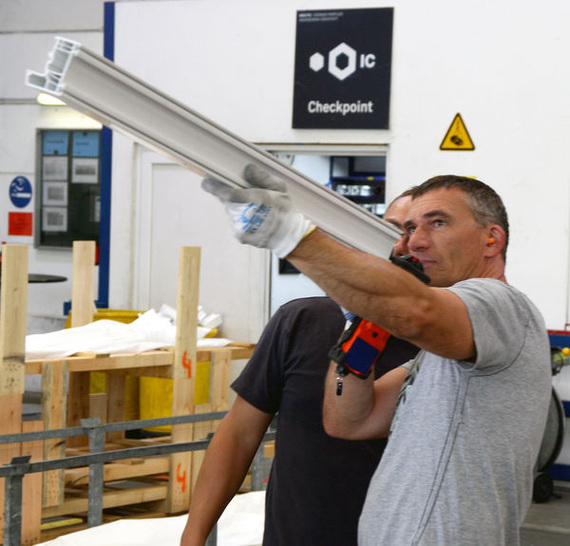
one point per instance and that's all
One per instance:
(548, 524)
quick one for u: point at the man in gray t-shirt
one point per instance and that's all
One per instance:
(458, 468)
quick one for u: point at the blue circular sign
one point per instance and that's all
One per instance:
(20, 192)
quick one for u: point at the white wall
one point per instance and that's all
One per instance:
(27, 30)
(501, 65)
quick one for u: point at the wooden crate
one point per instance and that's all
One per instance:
(157, 363)
(163, 483)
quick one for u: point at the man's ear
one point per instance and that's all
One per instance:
(496, 240)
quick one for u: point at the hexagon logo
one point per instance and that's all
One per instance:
(316, 62)
(339, 51)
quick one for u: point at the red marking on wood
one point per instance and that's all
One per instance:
(187, 363)
(181, 479)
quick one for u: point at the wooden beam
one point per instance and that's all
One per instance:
(13, 318)
(82, 284)
(54, 398)
(131, 468)
(115, 403)
(13, 322)
(220, 379)
(137, 362)
(183, 373)
(220, 371)
(98, 402)
(111, 499)
(32, 486)
(82, 307)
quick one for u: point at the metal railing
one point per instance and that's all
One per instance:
(15, 471)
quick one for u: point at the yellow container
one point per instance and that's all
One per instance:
(98, 380)
(156, 395)
(125, 316)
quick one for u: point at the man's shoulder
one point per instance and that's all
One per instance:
(495, 300)
(481, 281)
(304, 313)
(485, 288)
(312, 304)
(489, 287)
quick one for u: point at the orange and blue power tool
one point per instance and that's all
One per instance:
(362, 343)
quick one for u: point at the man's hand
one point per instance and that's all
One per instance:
(262, 215)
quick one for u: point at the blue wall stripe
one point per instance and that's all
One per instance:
(106, 163)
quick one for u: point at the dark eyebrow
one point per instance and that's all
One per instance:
(427, 216)
(440, 213)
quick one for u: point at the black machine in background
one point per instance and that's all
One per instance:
(362, 179)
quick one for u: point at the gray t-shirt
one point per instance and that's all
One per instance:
(459, 466)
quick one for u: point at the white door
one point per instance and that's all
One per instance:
(173, 211)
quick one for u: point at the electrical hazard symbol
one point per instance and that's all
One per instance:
(457, 136)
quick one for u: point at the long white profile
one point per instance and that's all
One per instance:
(99, 88)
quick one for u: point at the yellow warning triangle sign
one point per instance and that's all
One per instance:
(457, 136)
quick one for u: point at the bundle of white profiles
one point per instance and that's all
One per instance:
(95, 86)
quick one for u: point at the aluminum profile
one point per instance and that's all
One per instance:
(100, 89)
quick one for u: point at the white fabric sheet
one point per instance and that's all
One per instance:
(241, 524)
(150, 331)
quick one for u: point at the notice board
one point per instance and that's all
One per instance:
(70, 186)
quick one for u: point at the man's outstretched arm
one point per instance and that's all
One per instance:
(434, 319)
(370, 287)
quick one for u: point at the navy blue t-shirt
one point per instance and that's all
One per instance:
(317, 483)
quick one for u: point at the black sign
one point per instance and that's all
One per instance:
(342, 69)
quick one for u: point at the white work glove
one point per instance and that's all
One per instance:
(262, 215)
